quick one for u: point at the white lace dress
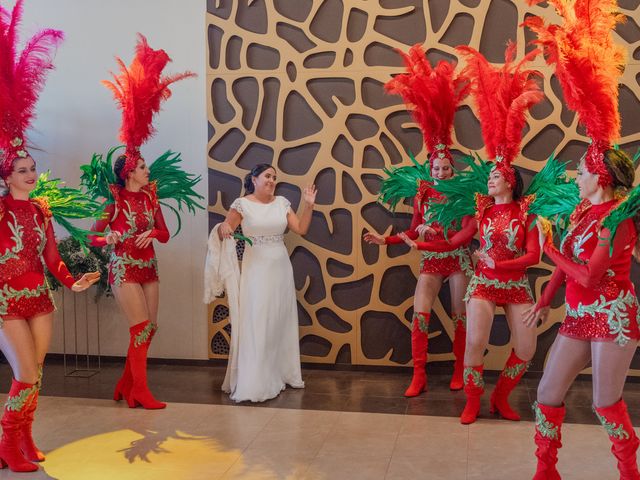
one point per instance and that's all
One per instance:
(268, 355)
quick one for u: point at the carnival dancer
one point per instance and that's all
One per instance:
(265, 353)
(133, 214)
(594, 258)
(433, 95)
(27, 240)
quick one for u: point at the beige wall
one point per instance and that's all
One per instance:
(77, 117)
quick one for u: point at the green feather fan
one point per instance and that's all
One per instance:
(628, 208)
(556, 196)
(402, 182)
(98, 175)
(67, 203)
(460, 192)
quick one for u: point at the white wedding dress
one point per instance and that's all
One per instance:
(268, 350)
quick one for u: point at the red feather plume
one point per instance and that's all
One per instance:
(503, 95)
(22, 77)
(589, 65)
(139, 91)
(432, 94)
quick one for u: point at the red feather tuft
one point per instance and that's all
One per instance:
(503, 95)
(588, 62)
(139, 91)
(22, 78)
(433, 94)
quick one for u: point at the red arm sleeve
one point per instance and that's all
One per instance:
(463, 237)
(416, 221)
(590, 274)
(532, 247)
(53, 261)
(557, 278)
(101, 225)
(160, 232)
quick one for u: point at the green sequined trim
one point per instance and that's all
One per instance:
(546, 428)
(479, 279)
(144, 335)
(487, 231)
(459, 321)
(470, 374)
(119, 263)
(616, 310)
(8, 293)
(16, 236)
(515, 370)
(613, 430)
(17, 402)
(512, 234)
(462, 253)
(423, 324)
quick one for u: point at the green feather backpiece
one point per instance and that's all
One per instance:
(460, 192)
(628, 208)
(556, 195)
(402, 182)
(173, 182)
(98, 175)
(67, 203)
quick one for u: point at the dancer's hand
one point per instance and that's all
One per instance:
(545, 231)
(535, 314)
(113, 237)
(407, 240)
(485, 258)
(424, 230)
(224, 231)
(309, 195)
(371, 237)
(85, 281)
(144, 239)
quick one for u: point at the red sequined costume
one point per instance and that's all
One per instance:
(26, 241)
(444, 258)
(131, 214)
(601, 302)
(507, 237)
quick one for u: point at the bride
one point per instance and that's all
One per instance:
(268, 351)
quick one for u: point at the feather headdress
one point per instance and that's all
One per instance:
(139, 91)
(502, 95)
(589, 65)
(433, 95)
(22, 77)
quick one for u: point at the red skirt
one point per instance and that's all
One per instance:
(500, 293)
(447, 263)
(25, 303)
(613, 320)
(126, 269)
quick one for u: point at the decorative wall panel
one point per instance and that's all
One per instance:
(299, 84)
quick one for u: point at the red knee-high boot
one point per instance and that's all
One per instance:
(459, 340)
(548, 440)
(473, 389)
(615, 420)
(27, 445)
(139, 394)
(12, 420)
(513, 371)
(419, 343)
(123, 387)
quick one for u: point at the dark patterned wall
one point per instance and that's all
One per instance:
(299, 84)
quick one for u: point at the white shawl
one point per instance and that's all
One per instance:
(222, 274)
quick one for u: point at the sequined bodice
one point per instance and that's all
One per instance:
(134, 215)
(22, 239)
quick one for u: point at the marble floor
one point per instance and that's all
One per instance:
(300, 435)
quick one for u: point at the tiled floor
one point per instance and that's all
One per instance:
(344, 425)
